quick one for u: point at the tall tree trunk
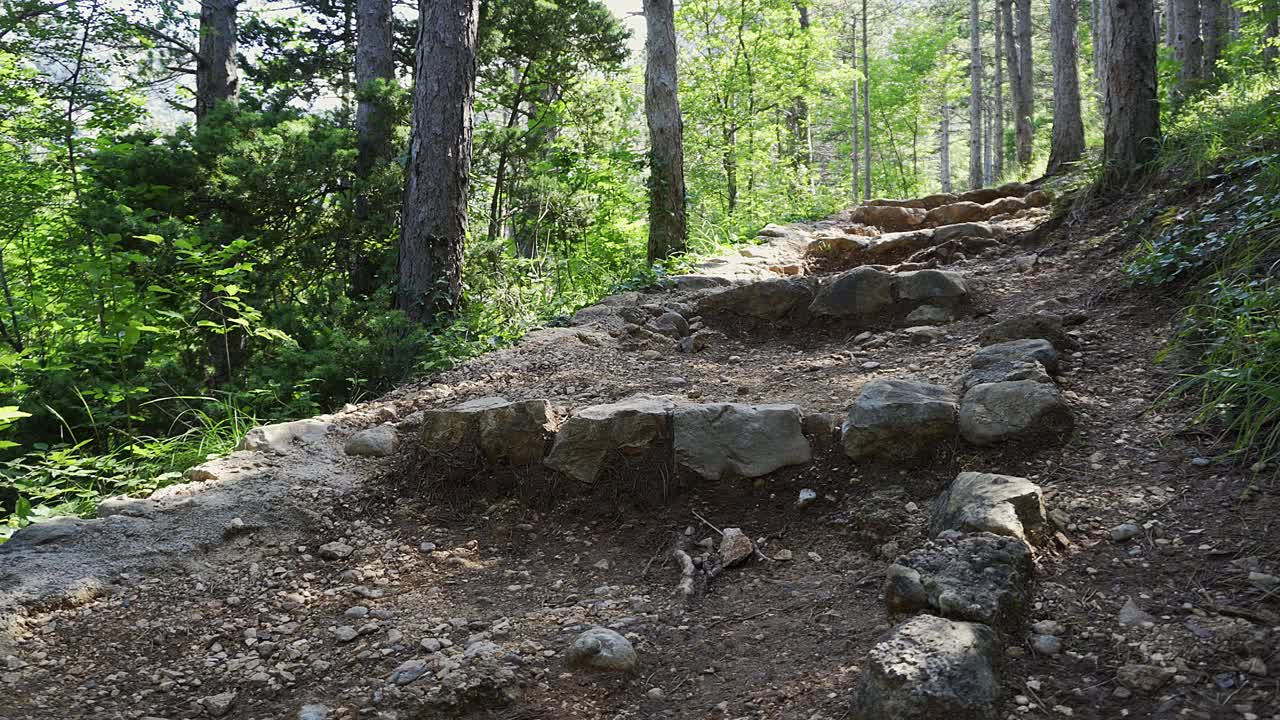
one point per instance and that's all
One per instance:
(1171, 23)
(1026, 90)
(975, 96)
(855, 140)
(375, 69)
(666, 144)
(1068, 129)
(1189, 47)
(1132, 108)
(944, 149)
(730, 162)
(1271, 52)
(1014, 69)
(798, 115)
(437, 178)
(1211, 24)
(217, 76)
(997, 154)
(866, 107)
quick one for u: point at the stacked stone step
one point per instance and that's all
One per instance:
(946, 209)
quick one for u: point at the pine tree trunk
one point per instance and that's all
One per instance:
(944, 149)
(1211, 22)
(374, 122)
(975, 97)
(1131, 111)
(798, 115)
(866, 107)
(1171, 23)
(855, 139)
(1026, 98)
(217, 75)
(437, 179)
(997, 154)
(1068, 129)
(666, 144)
(1189, 47)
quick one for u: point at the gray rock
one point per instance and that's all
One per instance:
(1125, 531)
(671, 324)
(219, 705)
(937, 287)
(335, 550)
(1143, 677)
(690, 283)
(1029, 326)
(630, 426)
(732, 440)
(280, 437)
(517, 432)
(602, 649)
(976, 577)
(1046, 644)
(863, 293)
(1014, 410)
(1011, 352)
(899, 420)
(735, 547)
(378, 441)
(770, 300)
(929, 668)
(896, 246)
(888, 218)
(955, 213)
(1131, 615)
(1006, 372)
(997, 504)
(929, 315)
(406, 672)
(969, 230)
(924, 334)
(54, 531)
(1060, 307)
(807, 498)
(345, 633)
(314, 712)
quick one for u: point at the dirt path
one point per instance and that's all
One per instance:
(227, 598)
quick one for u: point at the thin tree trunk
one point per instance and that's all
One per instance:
(975, 97)
(997, 153)
(855, 160)
(1067, 144)
(866, 107)
(217, 75)
(1026, 98)
(1189, 47)
(666, 144)
(1013, 67)
(1271, 52)
(438, 175)
(730, 162)
(798, 115)
(1211, 22)
(944, 149)
(375, 70)
(1132, 108)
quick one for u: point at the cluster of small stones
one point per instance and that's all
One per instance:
(957, 597)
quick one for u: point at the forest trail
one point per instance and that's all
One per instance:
(341, 567)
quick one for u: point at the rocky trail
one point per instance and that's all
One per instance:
(907, 462)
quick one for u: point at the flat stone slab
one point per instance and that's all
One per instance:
(1026, 359)
(899, 420)
(281, 437)
(929, 668)
(1046, 326)
(629, 426)
(997, 504)
(976, 577)
(517, 432)
(1014, 410)
(735, 440)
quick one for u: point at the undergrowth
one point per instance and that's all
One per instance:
(1225, 251)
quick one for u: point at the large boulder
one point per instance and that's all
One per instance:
(1030, 359)
(982, 196)
(863, 293)
(996, 504)
(517, 432)
(629, 426)
(887, 218)
(998, 412)
(959, 212)
(281, 437)
(936, 287)
(600, 648)
(1024, 326)
(769, 300)
(976, 577)
(377, 441)
(892, 247)
(899, 420)
(964, 230)
(929, 668)
(1001, 206)
(733, 440)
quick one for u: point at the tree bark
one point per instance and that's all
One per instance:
(666, 143)
(1189, 47)
(975, 97)
(1014, 69)
(1025, 100)
(1067, 144)
(798, 115)
(1271, 53)
(944, 149)
(997, 152)
(437, 179)
(866, 108)
(217, 75)
(1171, 23)
(1211, 23)
(1132, 109)
(855, 160)
(375, 68)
